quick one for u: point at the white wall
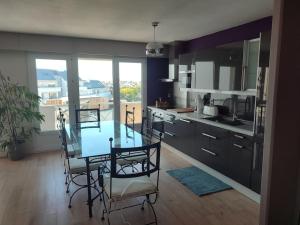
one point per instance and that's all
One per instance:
(14, 65)
(69, 45)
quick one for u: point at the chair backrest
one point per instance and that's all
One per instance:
(64, 138)
(129, 117)
(144, 124)
(87, 115)
(152, 163)
(59, 118)
(147, 128)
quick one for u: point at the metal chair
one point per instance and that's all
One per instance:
(75, 167)
(87, 115)
(59, 119)
(133, 161)
(119, 186)
(147, 126)
(144, 123)
(129, 117)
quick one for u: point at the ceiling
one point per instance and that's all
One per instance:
(129, 20)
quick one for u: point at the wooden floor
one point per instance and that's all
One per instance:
(32, 192)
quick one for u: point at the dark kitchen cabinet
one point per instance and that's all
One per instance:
(229, 65)
(186, 70)
(180, 134)
(205, 69)
(211, 146)
(232, 154)
(170, 134)
(186, 62)
(240, 155)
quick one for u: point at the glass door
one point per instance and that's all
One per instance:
(52, 87)
(96, 86)
(131, 87)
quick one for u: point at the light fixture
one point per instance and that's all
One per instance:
(154, 48)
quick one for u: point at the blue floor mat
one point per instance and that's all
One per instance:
(198, 181)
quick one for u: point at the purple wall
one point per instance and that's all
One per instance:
(243, 32)
(157, 68)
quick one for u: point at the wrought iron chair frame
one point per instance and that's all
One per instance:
(129, 117)
(114, 173)
(77, 115)
(70, 177)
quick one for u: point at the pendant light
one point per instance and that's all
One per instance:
(154, 48)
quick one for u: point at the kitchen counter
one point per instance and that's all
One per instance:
(246, 128)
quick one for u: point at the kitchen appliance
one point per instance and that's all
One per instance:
(210, 110)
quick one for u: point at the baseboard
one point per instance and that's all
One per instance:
(240, 188)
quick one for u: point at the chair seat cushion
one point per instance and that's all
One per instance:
(123, 188)
(132, 160)
(78, 166)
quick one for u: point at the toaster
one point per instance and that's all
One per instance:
(210, 110)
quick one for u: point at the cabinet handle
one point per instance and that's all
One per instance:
(254, 157)
(167, 121)
(208, 135)
(238, 146)
(170, 134)
(186, 121)
(209, 152)
(239, 136)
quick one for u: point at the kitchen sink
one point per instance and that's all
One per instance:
(225, 121)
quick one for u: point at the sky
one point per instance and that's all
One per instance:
(94, 69)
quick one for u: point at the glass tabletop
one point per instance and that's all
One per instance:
(92, 139)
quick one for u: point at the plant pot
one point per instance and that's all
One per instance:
(15, 151)
(3, 153)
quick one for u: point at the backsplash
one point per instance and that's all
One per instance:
(180, 97)
(244, 104)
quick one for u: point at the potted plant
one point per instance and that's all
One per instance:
(19, 114)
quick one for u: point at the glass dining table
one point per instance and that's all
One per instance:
(90, 141)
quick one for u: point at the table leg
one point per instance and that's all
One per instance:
(87, 160)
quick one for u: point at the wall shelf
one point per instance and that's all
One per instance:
(213, 91)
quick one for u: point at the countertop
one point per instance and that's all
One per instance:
(246, 128)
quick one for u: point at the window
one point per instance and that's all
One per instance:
(52, 87)
(131, 89)
(96, 86)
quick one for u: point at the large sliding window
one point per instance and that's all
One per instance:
(52, 87)
(108, 83)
